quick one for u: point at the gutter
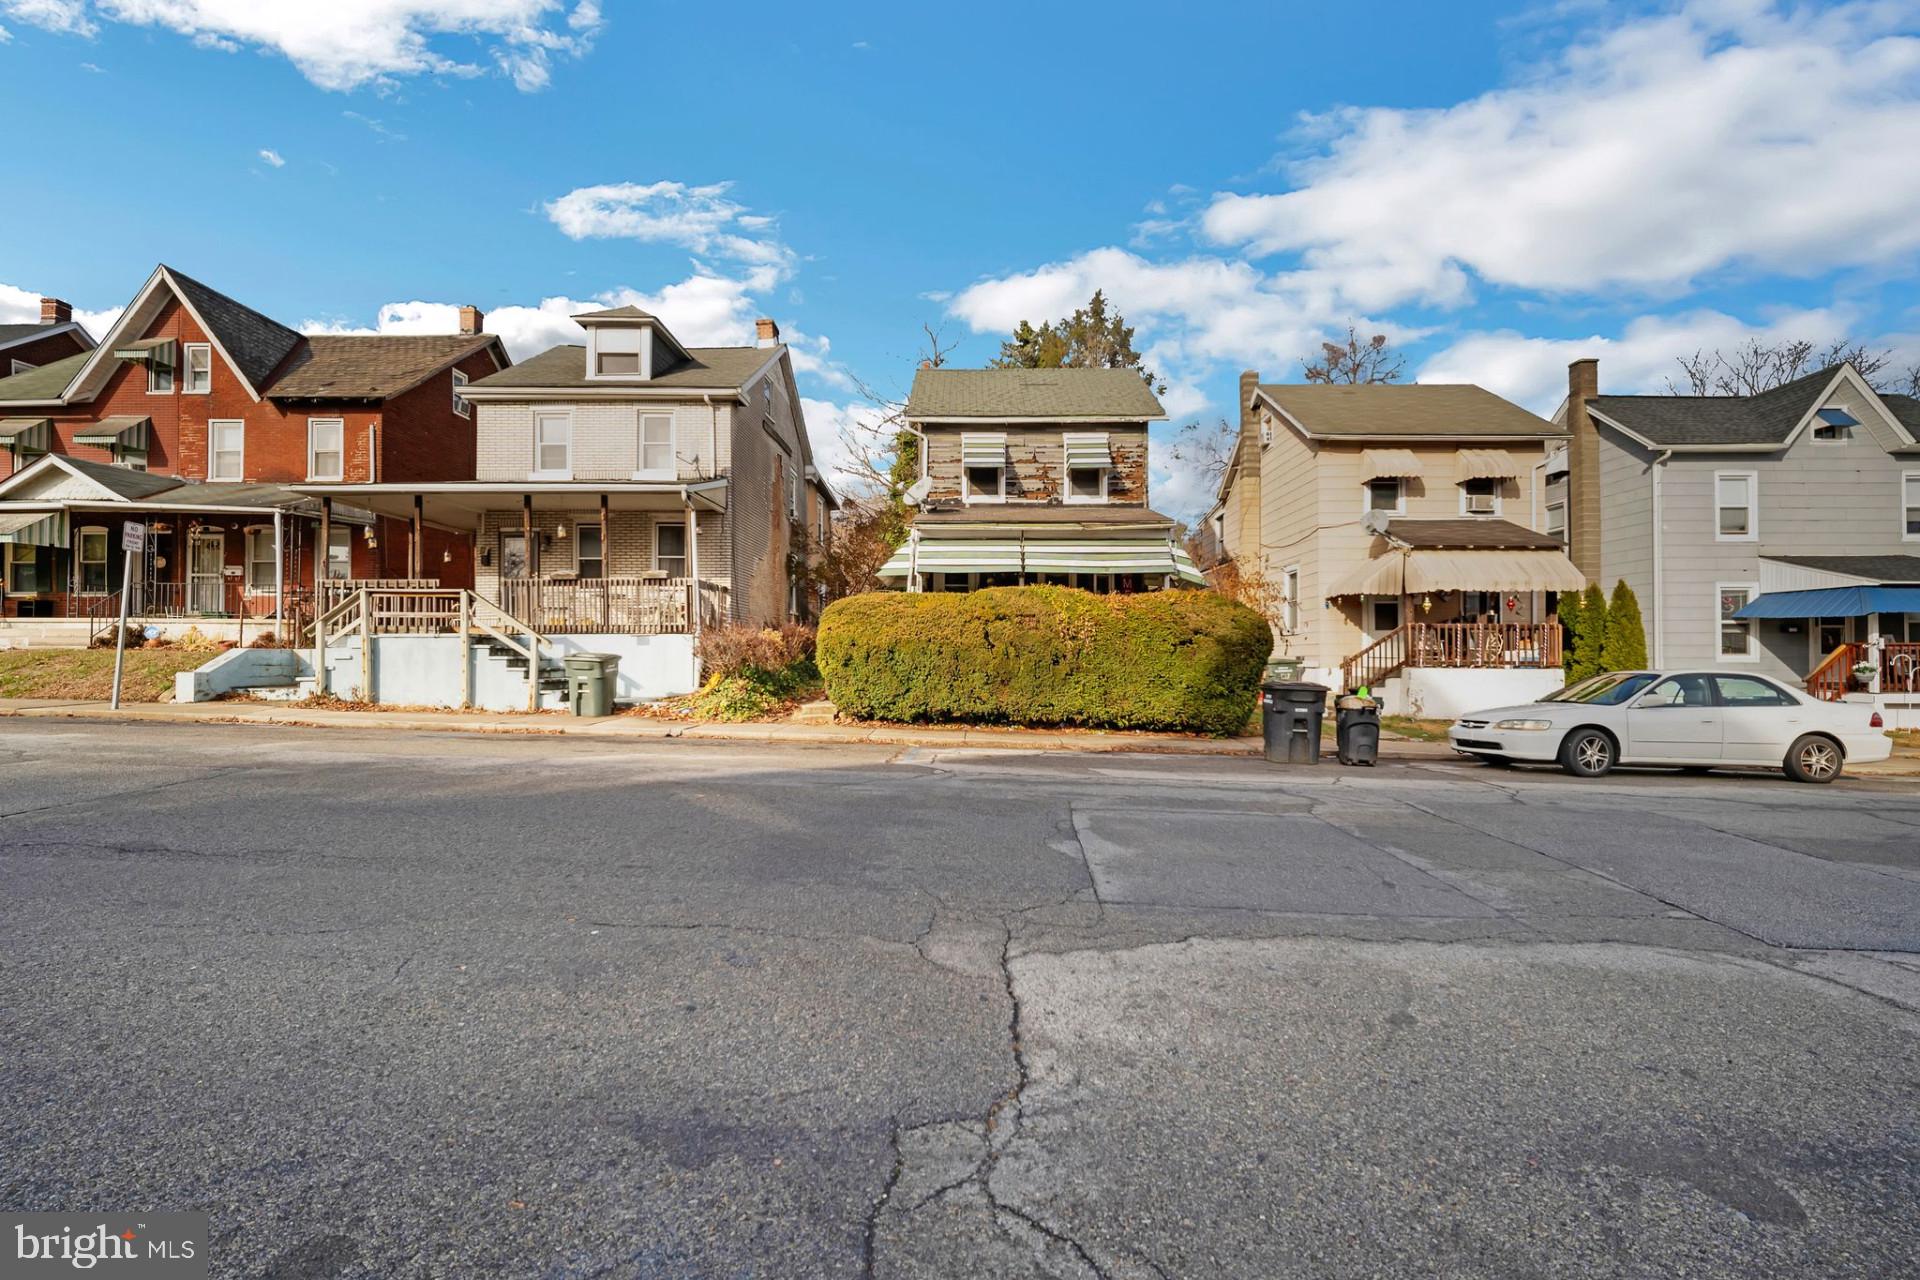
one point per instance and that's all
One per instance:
(1659, 578)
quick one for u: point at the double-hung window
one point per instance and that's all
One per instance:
(553, 446)
(326, 449)
(670, 549)
(1735, 514)
(1736, 634)
(339, 551)
(159, 374)
(1557, 520)
(590, 551)
(199, 367)
(260, 558)
(226, 449)
(23, 569)
(93, 561)
(653, 449)
(1290, 603)
(1386, 493)
(1910, 506)
(461, 405)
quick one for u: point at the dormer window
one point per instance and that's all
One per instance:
(616, 364)
(622, 351)
(1833, 426)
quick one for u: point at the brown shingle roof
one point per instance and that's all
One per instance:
(1119, 395)
(1468, 535)
(1013, 515)
(566, 366)
(1435, 410)
(369, 366)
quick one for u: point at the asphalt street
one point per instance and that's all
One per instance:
(410, 1005)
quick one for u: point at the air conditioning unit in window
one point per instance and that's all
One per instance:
(1480, 504)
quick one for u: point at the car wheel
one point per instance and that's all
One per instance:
(1587, 753)
(1813, 759)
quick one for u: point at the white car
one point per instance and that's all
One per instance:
(1694, 719)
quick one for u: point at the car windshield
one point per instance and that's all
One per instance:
(1609, 690)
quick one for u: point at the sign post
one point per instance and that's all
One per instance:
(133, 541)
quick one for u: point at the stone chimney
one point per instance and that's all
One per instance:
(768, 331)
(471, 318)
(1583, 469)
(55, 311)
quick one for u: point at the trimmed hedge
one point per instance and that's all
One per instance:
(1180, 660)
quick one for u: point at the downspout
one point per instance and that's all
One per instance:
(1659, 597)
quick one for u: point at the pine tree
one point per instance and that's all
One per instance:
(1571, 620)
(1625, 646)
(1093, 337)
(1590, 641)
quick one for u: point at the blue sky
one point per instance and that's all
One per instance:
(1500, 187)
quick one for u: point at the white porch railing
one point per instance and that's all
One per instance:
(617, 606)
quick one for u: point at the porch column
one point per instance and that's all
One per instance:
(320, 557)
(532, 553)
(279, 571)
(416, 547)
(693, 564)
(606, 566)
(1876, 645)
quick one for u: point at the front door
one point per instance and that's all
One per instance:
(1829, 634)
(206, 568)
(513, 556)
(1677, 719)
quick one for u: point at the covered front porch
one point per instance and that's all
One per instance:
(1117, 550)
(1848, 625)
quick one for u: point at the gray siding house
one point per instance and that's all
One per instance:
(1777, 532)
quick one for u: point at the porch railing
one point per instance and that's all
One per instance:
(215, 602)
(1834, 678)
(625, 606)
(1455, 645)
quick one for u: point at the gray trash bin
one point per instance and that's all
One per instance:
(1356, 730)
(590, 682)
(1290, 716)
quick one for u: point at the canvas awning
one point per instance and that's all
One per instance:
(34, 528)
(1487, 464)
(157, 351)
(27, 434)
(1832, 602)
(125, 431)
(1151, 556)
(983, 449)
(1088, 449)
(1388, 464)
(1403, 573)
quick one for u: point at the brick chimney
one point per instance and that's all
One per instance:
(768, 331)
(55, 311)
(1583, 469)
(471, 318)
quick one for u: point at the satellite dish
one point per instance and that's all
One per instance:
(918, 491)
(1376, 522)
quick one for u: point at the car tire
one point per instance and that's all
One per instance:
(1589, 753)
(1814, 759)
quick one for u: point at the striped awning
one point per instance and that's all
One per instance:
(1487, 464)
(159, 351)
(1088, 449)
(983, 449)
(1150, 556)
(35, 434)
(1403, 573)
(126, 431)
(34, 528)
(1388, 464)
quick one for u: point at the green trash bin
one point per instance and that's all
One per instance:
(591, 678)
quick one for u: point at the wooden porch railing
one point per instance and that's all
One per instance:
(624, 606)
(1834, 679)
(1455, 645)
(1834, 676)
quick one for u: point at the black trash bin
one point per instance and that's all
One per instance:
(1356, 730)
(1290, 716)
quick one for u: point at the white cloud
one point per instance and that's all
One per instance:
(829, 424)
(273, 157)
(345, 44)
(22, 306)
(700, 218)
(1726, 135)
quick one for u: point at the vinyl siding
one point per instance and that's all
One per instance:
(606, 437)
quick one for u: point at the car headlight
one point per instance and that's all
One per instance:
(1524, 724)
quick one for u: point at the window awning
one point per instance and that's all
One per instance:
(1388, 464)
(1149, 556)
(27, 434)
(125, 431)
(983, 449)
(34, 528)
(1487, 464)
(155, 351)
(1088, 449)
(1398, 573)
(1832, 602)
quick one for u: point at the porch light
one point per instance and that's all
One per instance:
(446, 557)
(159, 562)
(560, 531)
(1426, 604)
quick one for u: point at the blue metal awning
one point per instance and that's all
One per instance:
(1833, 602)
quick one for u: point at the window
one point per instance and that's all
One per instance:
(1747, 691)
(1480, 496)
(260, 558)
(326, 449)
(985, 482)
(1385, 494)
(793, 494)
(983, 466)
(93, 561)
(1736, 635)
(1833, 426)
(1557, 520)
(1733, 503)
(1679, 691)
(23, 569)
(1910, 506)
(1385, 616)
(159, 375)
(21, 366)
(339, 551)
(617, 363)
(670, 549)
(461, 405)
(654, 451)
(199, 362)
(553, 445)
(226, 450)
(590, 554)
(1290, 601)
(1087, 484)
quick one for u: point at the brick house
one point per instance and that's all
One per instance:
(219, 408)
(25, 347)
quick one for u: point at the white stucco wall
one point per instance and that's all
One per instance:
(424, 671)
(1441, 694)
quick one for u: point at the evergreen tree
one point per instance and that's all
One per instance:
(1625, 646)
(1588, 645)
(1093, 337)
(1571, 621)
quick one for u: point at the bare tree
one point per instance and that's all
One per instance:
(882, 455)
(1208, 449)
(1355, 361)
(1755, 366)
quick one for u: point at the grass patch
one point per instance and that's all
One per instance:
(88, 673)
(1418, 730)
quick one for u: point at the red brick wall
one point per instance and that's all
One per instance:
(39, 351)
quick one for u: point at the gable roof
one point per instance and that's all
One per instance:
(121, 482)
(1431, 410)
(254, 343)
(988, 395)
(628, 312)
(371, 366)
(1906, 409)
(20, 334)
(1467, 534)
(706, 369)
(1766, 419)
(1870, 568)
(44, 383)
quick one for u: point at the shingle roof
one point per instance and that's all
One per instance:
(1014, 515)
(616, 313)
(124, 481)
(1905, 408)
(232, 494)
(1435, 409)
(256, 343)
(1119, 395)
(13, 332)
(1763, 419)
(1469, 535)
(1877, 568)
(44, 383)
(370, 366)
(566, 366)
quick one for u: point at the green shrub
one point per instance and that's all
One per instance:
(1590, 640)
(1181, 660)
(1625, 646)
